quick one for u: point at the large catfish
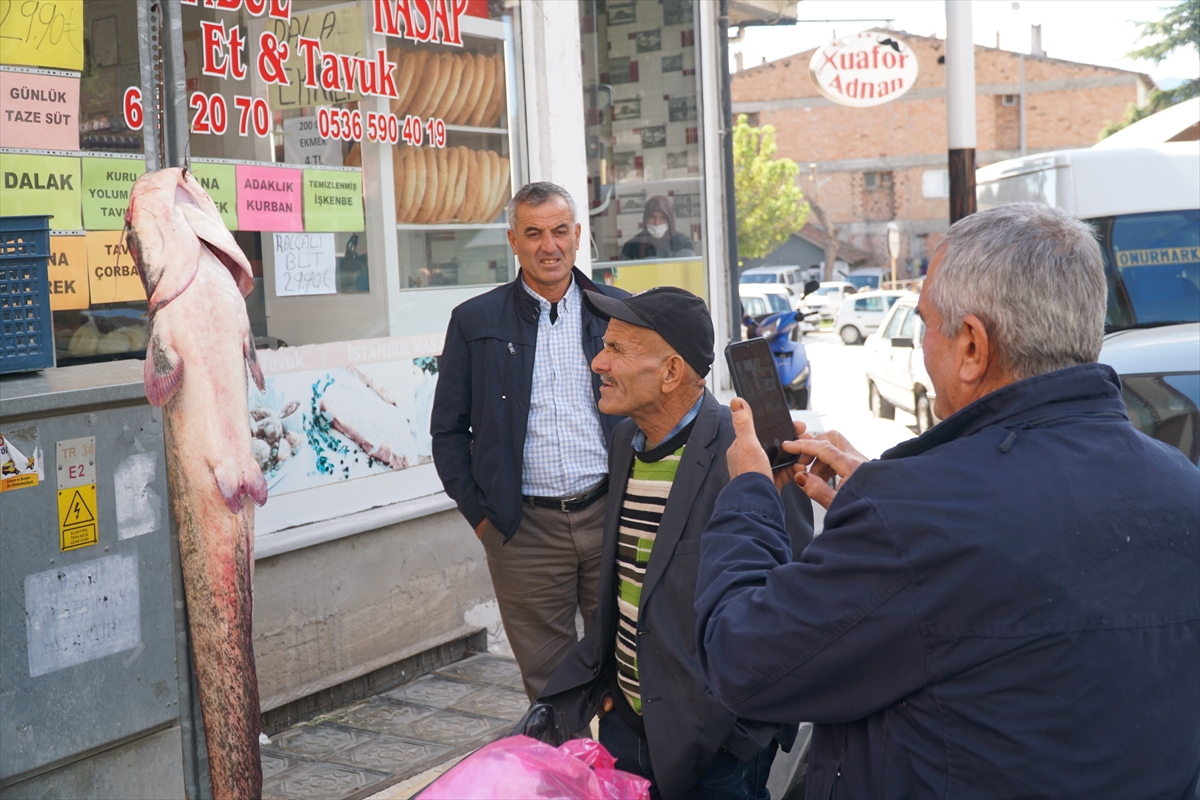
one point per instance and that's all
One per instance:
(199, 353)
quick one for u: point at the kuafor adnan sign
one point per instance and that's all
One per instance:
(863, 70)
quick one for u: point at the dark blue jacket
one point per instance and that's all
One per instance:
(1007, 606)
(481, 404)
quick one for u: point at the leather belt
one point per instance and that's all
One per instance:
(574, 503)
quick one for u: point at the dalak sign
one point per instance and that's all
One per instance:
(867, 69)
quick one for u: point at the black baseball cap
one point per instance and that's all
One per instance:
(677, 315)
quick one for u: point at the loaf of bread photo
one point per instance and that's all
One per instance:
(460, 88)
(453, 184)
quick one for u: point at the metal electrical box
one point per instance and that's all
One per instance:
(91, 614)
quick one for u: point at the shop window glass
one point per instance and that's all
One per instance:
(67, 149)
(642, 106)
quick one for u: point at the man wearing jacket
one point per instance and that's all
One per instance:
(517, 439)
(638, 660)
(1008, 605)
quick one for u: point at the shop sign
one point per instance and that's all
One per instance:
(864, 70)
(269, 199)
(220, 181)
(43, 185)
(68, 273)
(39, 112)
(333, 200)
(305, 263)
(112, 275)
(42, 33)
(424, 20)
(106, 186)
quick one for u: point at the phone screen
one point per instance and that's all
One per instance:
(757, 382)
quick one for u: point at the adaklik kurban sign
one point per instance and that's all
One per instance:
(863, 70)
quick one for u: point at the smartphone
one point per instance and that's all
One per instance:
(755, 379)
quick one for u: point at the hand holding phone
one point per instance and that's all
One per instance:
(755, 379)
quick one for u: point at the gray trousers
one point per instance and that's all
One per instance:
(548, 569)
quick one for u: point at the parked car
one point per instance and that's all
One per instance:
(828, 297)
(1160, 382)
(860, 314)
(896, 376)
(867, 278)
(789, 276)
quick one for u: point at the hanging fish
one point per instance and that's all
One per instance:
(198, 356)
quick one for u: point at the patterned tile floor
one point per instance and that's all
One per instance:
(387, 739)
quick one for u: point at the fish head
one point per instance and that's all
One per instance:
(201, 214)
(169, 218)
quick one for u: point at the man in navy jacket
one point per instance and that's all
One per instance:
(1008, 605)
(518, 440)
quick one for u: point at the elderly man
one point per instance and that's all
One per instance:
(517, 438)
(1008, 605)
(666, 468)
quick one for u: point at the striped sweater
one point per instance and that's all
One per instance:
(646, 492)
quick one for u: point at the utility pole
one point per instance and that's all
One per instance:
(960, 108)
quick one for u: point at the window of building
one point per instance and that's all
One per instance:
(871, 180)
(935, 183)
(645, 184)
(1008, 100)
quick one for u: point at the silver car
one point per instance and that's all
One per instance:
(896, 376)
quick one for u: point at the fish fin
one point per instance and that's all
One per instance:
(250, 483)
(252, 362)
(231, 490)
(163, 371)
(255, 486)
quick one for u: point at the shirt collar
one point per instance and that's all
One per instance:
(564, 304)
(639, 438)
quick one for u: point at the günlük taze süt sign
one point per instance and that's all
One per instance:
(863, 70)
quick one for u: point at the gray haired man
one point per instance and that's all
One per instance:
(1004, 606)
(518, 440)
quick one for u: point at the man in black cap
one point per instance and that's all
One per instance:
(666, 467)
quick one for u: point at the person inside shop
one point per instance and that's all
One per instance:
(1004, 606)
(518, 440)
(636, 666)
(658, 237)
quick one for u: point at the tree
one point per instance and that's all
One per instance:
(1179, 28)
(831, 231)
(770, 206)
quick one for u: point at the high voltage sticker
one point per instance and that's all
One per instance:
(77, 517)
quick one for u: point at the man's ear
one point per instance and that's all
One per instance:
(674, 373)
(512, 241)
(974, 350)
(578, 233)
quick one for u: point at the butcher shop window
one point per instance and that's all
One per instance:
(68, 150)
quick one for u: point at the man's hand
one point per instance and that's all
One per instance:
(606, 705)
(746, 454)
(480, 528)
(832, 456)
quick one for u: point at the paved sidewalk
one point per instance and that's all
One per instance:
(396, 742)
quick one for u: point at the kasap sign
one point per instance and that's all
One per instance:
(863, 70)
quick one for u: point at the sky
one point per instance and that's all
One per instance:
(1089, 31)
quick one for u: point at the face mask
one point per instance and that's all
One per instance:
(658, 231)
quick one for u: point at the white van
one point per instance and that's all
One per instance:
(1145, 205)
(790, 276)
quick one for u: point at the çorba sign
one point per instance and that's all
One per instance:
(863, 70)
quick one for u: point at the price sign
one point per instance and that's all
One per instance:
(305, 263)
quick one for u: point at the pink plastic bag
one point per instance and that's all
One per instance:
(519, 767)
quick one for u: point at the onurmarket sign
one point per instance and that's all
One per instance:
(864, 70)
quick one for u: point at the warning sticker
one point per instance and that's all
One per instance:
(20, 459)
(77, 517)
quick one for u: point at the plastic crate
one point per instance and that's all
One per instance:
(26, 324)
